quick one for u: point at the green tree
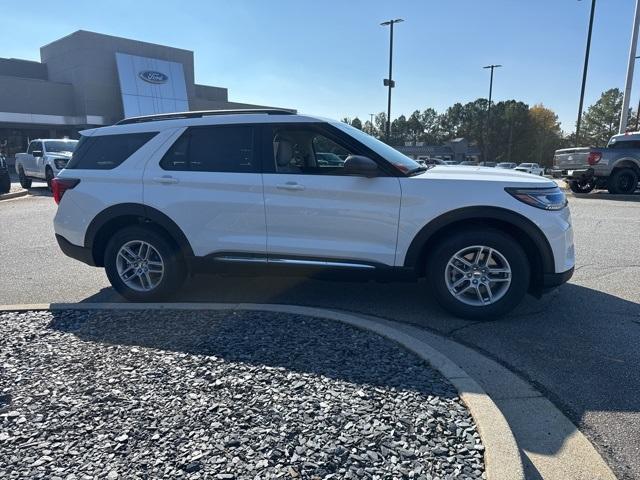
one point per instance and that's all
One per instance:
(601, 119)
(545, 135)
(356, 123)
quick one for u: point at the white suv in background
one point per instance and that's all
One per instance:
(155, 198)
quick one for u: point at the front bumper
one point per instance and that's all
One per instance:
(76, 252)
(552, 280)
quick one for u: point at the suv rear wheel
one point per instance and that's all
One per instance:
(142, 265)
(479, 274)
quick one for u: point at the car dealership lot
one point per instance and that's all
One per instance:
(578, 344)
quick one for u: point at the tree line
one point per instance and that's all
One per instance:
(511, 131)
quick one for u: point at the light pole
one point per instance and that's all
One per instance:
(371, 122)
(584, 71)
(388, 82)
(486, 148)
(638, 113)
(632, 60)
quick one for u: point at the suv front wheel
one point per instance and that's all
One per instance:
(481, 273)
(142, 265)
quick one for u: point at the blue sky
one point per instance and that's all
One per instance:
(329, 57)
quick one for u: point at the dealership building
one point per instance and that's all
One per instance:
(88, 79)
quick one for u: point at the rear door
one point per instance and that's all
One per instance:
(316, 212)
(209, 183)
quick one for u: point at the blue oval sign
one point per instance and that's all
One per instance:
(152, 76)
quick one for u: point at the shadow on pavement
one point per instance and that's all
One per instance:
(577, 345)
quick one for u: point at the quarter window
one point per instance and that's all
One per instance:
(105, 152)
(213, 149)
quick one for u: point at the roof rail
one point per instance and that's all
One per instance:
(204, 113)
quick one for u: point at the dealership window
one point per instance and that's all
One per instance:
(213, 149)
(105, 152)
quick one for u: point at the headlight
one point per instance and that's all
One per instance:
(544, 198)
(60, 163)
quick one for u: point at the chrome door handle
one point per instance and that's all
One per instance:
(166, 180)
(290, 186)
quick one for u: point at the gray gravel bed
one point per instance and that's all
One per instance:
(221, 395)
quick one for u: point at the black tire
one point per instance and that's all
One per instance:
(174, 264)
(582, 186)
(5, 182)
(48, 175)
(623, 181)
(25, 182)
(495, 239)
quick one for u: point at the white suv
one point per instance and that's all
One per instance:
(155, 198)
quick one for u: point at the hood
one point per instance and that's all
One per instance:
(486, 174)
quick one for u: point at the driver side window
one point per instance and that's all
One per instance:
(307, 152)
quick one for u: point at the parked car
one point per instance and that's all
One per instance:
(5, 180)
(154, 198)
(329, 159)
(429, 161)
(507, 165)
(487, 164)
(532, 168)
(615, 168)
(43, 160)
(469, 163)
(450, 162)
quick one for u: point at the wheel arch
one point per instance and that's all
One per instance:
(119, 216)
(627, 163)
(523, 230)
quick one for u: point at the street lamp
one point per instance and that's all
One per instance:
(388, 82)
(486, 149)
(624, 116)
(638, 111)
(584, 71)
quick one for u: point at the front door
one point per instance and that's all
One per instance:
(317, 212)
(208, 183)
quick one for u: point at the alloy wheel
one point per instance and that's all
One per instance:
(478, 275)
(140, 266)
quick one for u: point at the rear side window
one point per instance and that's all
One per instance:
(105, 152)
(213, 149)
(629, 144)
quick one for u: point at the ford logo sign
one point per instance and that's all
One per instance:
(152, 76)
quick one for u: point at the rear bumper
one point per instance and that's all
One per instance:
(74, 251)
(572, 174)
(552, 280)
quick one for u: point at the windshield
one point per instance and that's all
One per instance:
(393, 156)
(61, 146)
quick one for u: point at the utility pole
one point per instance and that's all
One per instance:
(584, 71)
(388, 82)
(632, 60)
(487, 124)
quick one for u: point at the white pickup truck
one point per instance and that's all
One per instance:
(43, 160)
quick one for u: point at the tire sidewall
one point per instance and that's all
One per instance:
(500, 241)
(174, 266)
(615, 179)
(22, 178)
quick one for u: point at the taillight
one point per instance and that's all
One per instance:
(593, 158)
(61, 185)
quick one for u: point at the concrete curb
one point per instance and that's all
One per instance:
(502, 456)
(8, 196)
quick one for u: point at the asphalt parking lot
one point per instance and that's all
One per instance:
(578, 345)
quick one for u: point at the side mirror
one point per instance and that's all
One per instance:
(360, 165)
(36, 153)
